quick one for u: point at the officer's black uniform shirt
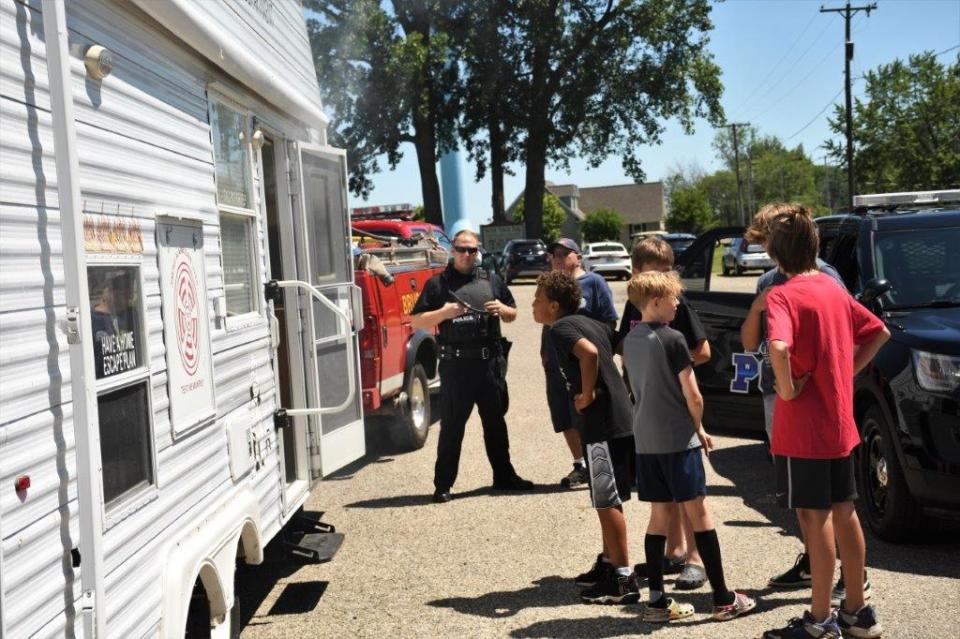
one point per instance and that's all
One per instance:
(436, 292)
(610, 416)
(686, 321)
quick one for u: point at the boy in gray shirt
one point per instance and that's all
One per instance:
(668, 434)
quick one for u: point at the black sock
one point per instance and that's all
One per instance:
(654, 545)
(709, 547)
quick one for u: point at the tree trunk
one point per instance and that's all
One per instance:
(429, 183)
(497, 153)
(534, 185)
(538, 124)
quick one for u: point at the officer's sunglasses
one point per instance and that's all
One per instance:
(472, 250)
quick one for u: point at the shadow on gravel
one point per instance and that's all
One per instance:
(546, 592)
(748, 467)
(400, 501)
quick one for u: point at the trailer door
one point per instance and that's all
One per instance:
(331, 326)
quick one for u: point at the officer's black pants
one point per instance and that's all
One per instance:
(463, 384)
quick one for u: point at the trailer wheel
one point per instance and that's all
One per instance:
(410, 426)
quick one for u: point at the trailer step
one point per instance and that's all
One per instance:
(316, 547)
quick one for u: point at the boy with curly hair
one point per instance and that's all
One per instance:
(601, 412)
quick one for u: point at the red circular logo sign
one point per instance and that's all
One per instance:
(188, 315)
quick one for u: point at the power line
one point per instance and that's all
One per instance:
(814, 119)
(940, 53)
(779, 62)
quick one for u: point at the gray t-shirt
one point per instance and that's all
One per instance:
(775, 277)
(654, 355)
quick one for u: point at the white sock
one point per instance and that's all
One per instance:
(579, 462)
(604, 559)
(623, 571)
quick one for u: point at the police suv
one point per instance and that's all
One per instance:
(899, 254)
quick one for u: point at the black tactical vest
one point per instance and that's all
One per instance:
(476, 325)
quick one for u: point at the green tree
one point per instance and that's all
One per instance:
(906, 129)
(554, 216)
(690, 211)
(602, 224)
(599, 78)
(388, 73)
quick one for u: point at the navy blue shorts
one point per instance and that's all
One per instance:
(667, 477)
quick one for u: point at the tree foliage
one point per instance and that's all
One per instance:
(602, 224)
(554, 216)
(388, 78)
(906, 129)
(690, 211)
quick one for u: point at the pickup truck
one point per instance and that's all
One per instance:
(398, 365)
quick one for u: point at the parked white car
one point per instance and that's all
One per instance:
(607, 258)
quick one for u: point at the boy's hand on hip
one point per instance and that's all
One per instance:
(582, 400)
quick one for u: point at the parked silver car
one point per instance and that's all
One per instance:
(742, 256)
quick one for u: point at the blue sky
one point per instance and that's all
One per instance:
(782, 63)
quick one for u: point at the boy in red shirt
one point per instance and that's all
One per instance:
(820, 337)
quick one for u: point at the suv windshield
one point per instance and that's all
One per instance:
(920, 265)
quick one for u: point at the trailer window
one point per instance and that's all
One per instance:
(230, 132)
(123, 378)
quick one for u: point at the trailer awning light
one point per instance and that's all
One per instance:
(22, 483)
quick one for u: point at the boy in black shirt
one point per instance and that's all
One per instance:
(602, 416)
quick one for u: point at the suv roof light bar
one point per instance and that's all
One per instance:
(906, 198)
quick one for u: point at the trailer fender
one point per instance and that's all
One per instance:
(209, 552)
(425, 344)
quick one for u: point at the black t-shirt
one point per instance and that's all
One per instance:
(686, 322)
(609, 417)
(436, 292)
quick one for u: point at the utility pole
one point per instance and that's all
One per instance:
(848, 12)
(736, 161)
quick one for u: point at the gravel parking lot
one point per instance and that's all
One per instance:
(496, 565)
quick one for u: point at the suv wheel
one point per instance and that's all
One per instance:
(738, 269)
(409, 428)
(884, 496)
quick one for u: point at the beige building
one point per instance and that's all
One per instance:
(642, 206)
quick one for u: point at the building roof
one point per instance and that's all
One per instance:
(635, 202)
(563, 190)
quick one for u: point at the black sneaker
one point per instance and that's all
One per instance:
(592, 576)
(613, 589)
(576, 477)
(797, 577)
(671, 566)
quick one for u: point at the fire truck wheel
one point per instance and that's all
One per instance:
(409, 428)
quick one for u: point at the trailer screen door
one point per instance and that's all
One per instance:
(333, 340)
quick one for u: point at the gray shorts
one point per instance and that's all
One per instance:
(769, 401)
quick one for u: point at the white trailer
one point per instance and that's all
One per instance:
(178, 320)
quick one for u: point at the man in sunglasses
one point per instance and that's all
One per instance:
(468, 304)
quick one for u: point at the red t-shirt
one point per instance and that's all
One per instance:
(821, 323)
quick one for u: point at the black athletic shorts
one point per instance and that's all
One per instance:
(666, 477)
(610, 471)
(558, 399)
(815, 483)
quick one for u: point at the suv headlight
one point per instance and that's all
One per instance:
(937, 372)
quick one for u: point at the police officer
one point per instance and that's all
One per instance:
(468, 304)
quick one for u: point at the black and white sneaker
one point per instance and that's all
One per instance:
(592, 576)
(797, 577)
(613, 589)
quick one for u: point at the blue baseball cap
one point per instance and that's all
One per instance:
(566, 243)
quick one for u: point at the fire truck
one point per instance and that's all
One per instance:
(394, 258)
